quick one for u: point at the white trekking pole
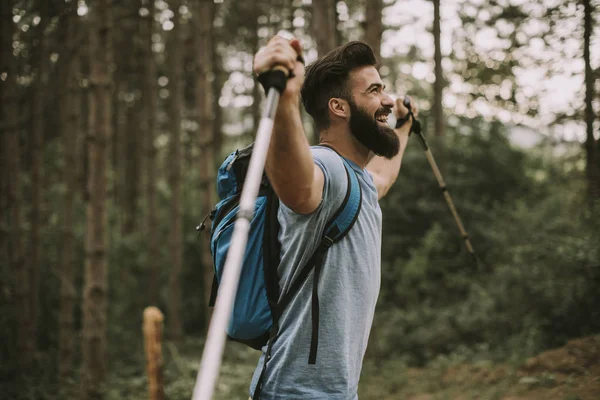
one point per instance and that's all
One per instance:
(210, 365)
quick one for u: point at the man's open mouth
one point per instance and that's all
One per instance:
(382, 118)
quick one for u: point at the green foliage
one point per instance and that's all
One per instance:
(538, 278)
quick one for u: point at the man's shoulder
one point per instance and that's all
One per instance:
(324, 152)
(330, 162)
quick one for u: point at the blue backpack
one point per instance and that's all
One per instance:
(258, 303)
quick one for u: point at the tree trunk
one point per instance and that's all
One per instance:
(175, 236)
(37, 162)
(257, 89)
(95, 294)
(4, 186)
(116, 148)
(12, 151)
(592, 160)
(324, 25)
(150, 105)
(205, 112)
(131, 135)
(438, 86)
(220, 77)
(70, 124)
(374, 26)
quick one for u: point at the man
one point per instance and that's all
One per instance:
(344, 94)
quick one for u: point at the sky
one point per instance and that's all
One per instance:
(559, 93)
(562, 91)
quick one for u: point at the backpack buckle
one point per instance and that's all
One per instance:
(210, 215)
(326, 242)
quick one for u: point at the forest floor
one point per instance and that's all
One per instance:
(571, 372)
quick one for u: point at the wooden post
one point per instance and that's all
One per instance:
(153, 322)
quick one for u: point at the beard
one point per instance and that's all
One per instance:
(381, 140)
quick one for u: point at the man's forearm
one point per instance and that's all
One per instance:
(289, 162)
(386, 171)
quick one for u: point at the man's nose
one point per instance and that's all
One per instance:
(387, 101)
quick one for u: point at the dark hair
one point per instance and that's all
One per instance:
(328, 77)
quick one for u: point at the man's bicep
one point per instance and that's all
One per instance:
(311, 202)
(317, 187)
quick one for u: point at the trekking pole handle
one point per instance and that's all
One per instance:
(276, 78)
(416, 125)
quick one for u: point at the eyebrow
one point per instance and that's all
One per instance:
(374, 85)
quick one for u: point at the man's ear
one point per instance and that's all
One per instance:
(339, 107)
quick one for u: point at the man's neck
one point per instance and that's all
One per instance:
(345, 144)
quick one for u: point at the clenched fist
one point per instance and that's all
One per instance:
(287, 53)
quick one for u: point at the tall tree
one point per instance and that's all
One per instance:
(591, 148)
(374, 25)
(131, 139)
(255, 45)
(205, 112)
(324, 25)
(95, 293)
(12, 161)
(37, 156)
(175, 237)
(117, 147)
(220, 77)
(438, 86)
(150, 108)
(70, 116)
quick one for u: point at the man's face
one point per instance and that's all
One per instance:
(369, 108)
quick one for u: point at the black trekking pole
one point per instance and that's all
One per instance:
(275, 81)
(416, 128)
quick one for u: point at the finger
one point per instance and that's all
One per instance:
(284, 56)
(282, 59)
(296, 45)
(291, 47)
(401, 110)
(276, 55)
(277, 39)
(278, 51)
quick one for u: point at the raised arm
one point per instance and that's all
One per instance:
(386, 171)
(296, 179)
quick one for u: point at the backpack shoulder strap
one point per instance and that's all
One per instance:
(335, 229)
(345, 217)
(271, 249)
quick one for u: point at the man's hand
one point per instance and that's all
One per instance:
(400, 111)
(287, 53)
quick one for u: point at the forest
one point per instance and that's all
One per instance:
(115, 116)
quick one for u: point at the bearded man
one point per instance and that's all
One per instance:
(345, 96)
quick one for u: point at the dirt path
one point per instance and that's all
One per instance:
(571, 372)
